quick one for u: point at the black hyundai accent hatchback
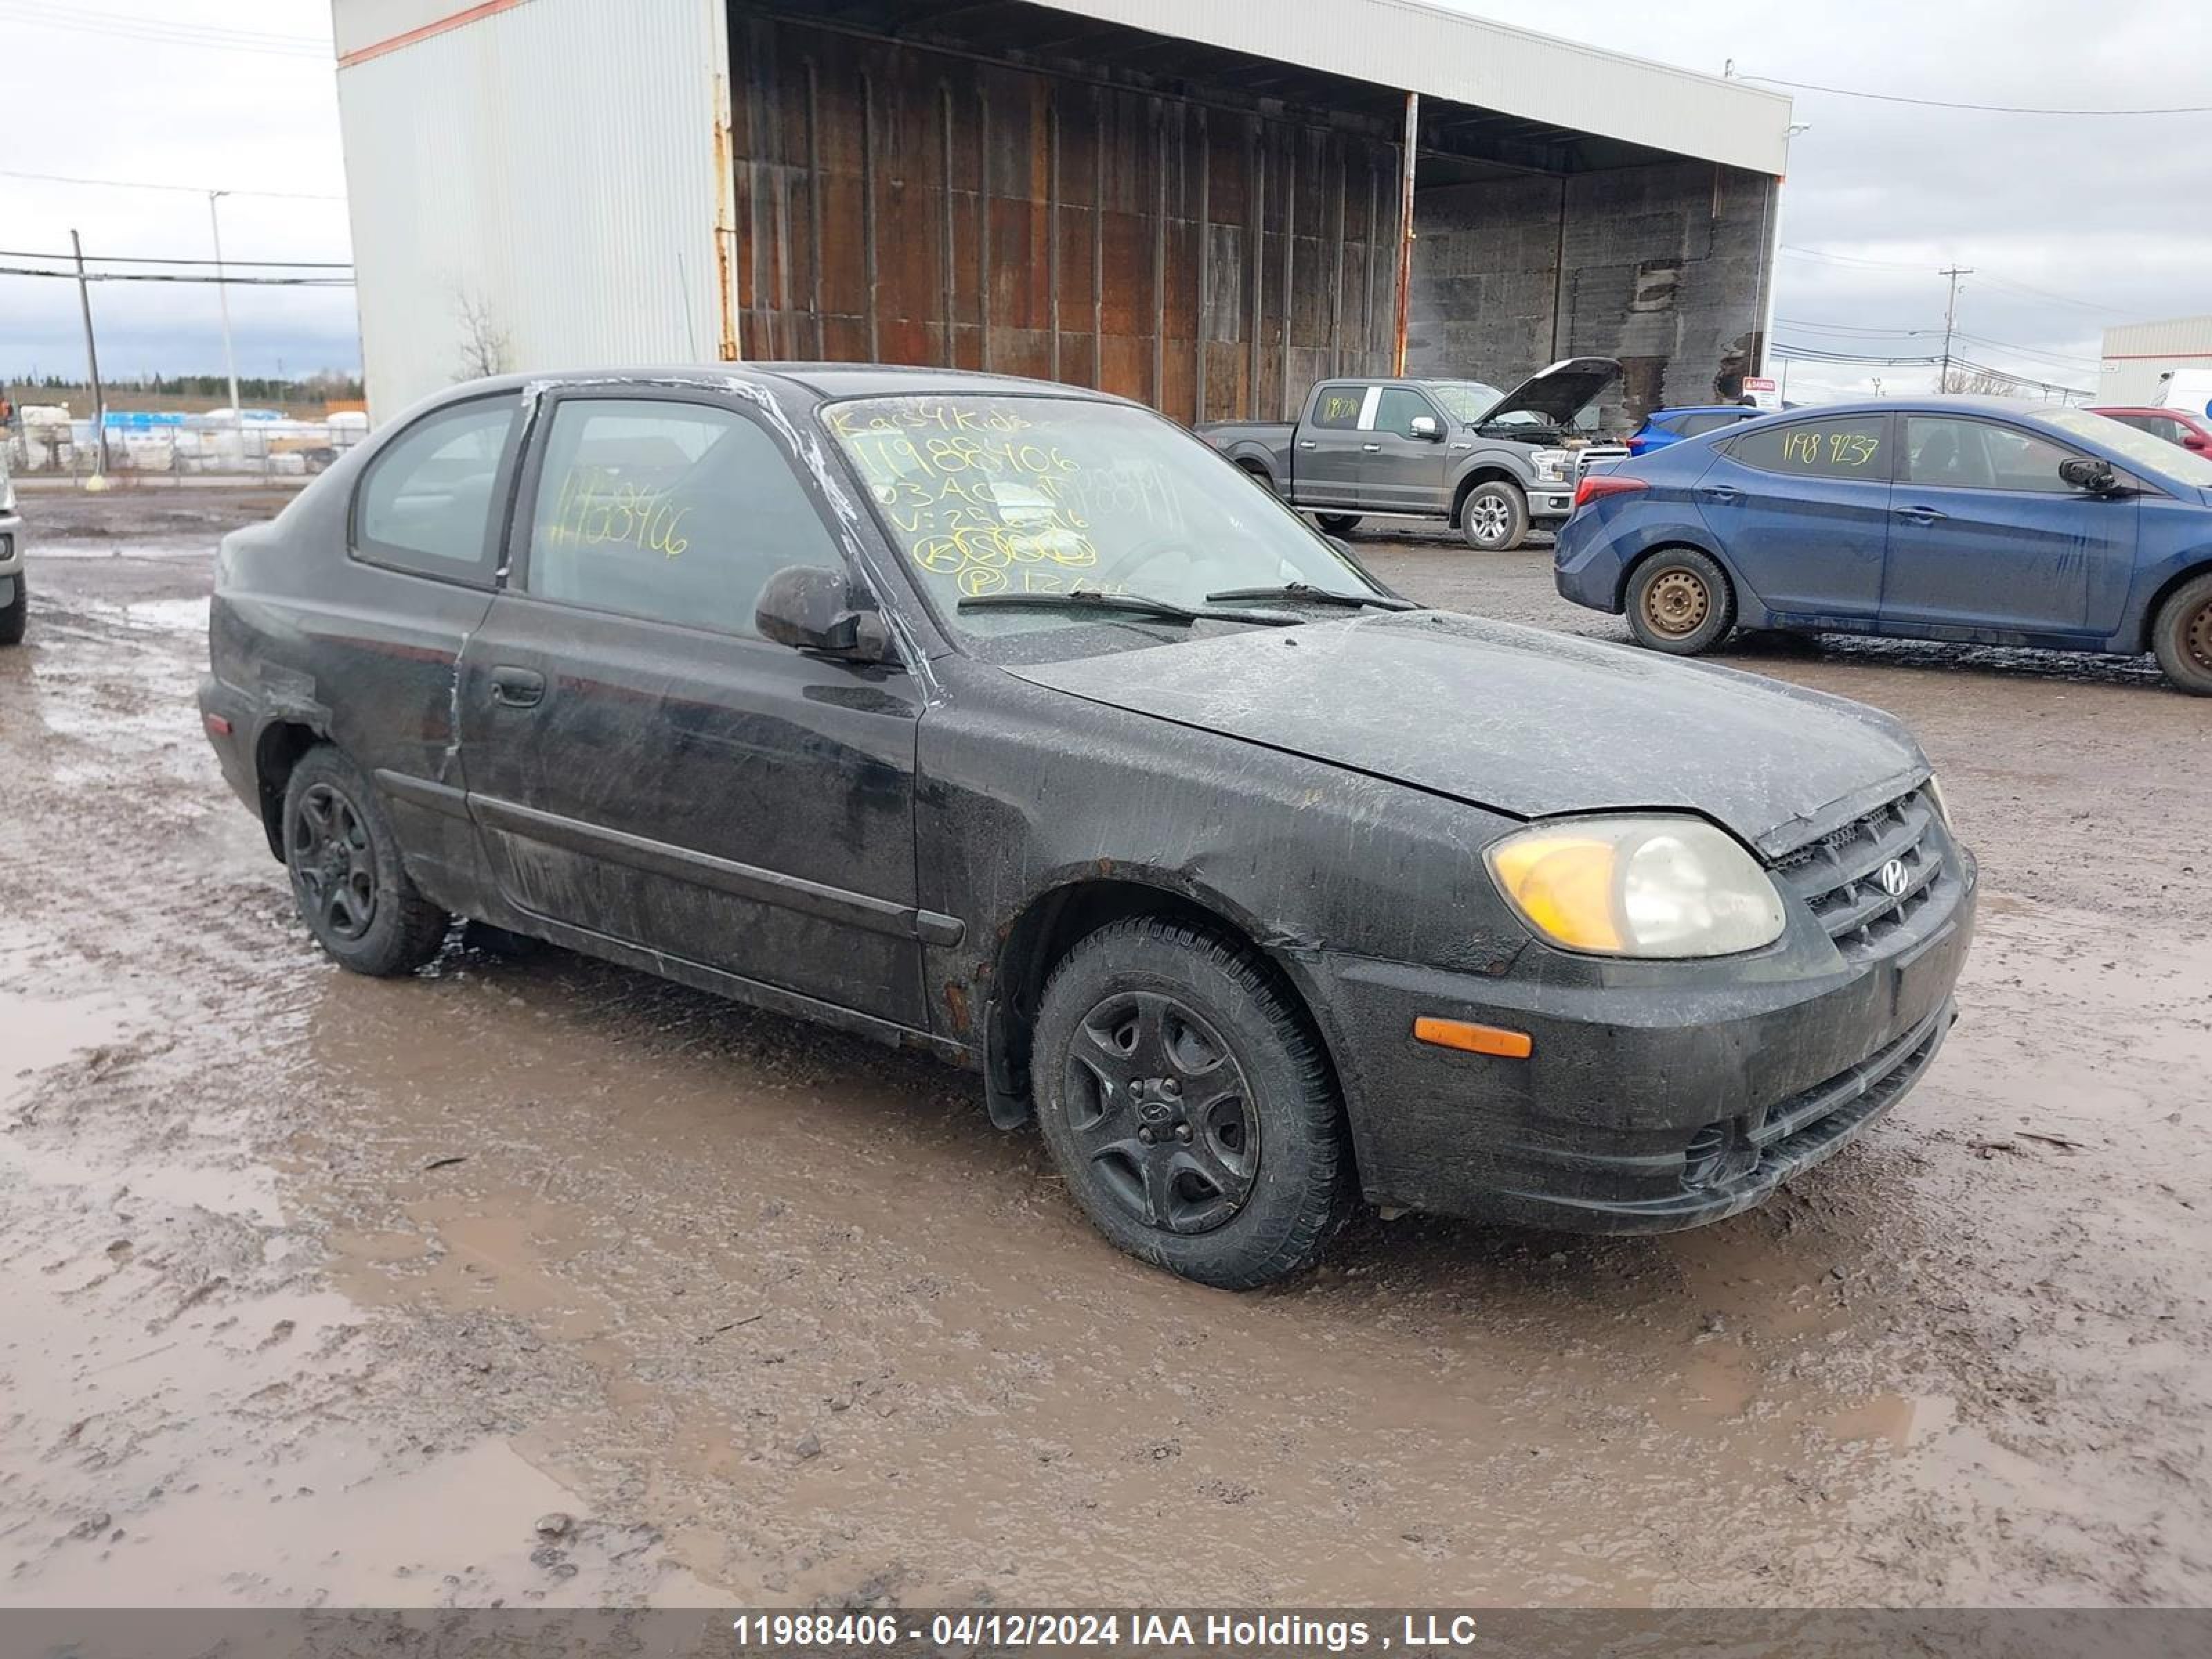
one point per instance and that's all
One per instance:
(1008, 721)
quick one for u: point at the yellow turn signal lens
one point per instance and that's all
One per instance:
(1466, 1035)
(1563, 883)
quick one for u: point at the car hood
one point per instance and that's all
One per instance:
(1521, 722)
(1558, 392)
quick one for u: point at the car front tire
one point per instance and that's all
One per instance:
(1494, 517)
(353, 891)
(1680, 601)
(2182, 636)
(1188, 1106)
(16, 614)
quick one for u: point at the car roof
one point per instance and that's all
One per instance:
(823, 379)
(1932, 403)
(1745, 409)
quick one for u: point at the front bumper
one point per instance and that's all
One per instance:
(1551, 500)
(1657, 1096)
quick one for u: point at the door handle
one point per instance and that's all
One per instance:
(1722, 494)
(1919, 514)
(517, 688)
(1372, 449)
(1307, 443)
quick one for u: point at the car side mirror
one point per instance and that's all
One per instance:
(2197, 441)
(1428, 426)
(810, 609)
(2087, 472)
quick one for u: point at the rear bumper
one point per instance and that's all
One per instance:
(1646, 1105)
(230, 720)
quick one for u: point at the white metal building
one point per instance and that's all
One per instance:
(1195, 202)
(2142, 358)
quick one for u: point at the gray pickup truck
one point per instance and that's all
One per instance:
(1490, 463)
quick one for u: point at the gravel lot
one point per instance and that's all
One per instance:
(549, 1281)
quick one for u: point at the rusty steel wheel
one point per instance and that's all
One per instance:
(2182, 635)
(1679, 601)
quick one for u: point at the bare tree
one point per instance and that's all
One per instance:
(1979, 382)
(485, 350)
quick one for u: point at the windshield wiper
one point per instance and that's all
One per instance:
(1086, 598)
(1313, 595)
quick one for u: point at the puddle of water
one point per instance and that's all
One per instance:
(44, 1031)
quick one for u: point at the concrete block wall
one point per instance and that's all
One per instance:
(1663, 267)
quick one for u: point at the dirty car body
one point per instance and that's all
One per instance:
(14, 598)
(880, 769)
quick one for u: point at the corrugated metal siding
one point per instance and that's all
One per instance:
(2173, 336)
(900, 204)
(1473, 60)
(553, 164)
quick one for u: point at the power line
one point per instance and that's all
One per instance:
(2006, 283)
(158, 31)
(150, 259)
(1985, 109)
(165, 277)
(190, 190)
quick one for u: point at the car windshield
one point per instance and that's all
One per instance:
(2139, 449)
(998, 495)
(1465, 400)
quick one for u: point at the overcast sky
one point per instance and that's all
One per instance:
(2105, 217)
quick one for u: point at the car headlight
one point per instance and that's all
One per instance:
(1551, 465)
(1643, 886)
(1935, 799)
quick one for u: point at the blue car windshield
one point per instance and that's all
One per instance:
(2139, 449)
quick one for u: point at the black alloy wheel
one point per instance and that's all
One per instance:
(327, 847)
(1158, 1103)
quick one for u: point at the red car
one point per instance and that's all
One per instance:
(2170, 424)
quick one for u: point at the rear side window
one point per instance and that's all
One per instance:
(1337, 406)
(426, 504)
(1690, 426)
(1847, 447)
(673, 512)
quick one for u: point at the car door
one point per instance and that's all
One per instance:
(1984, 535)
(1802, 508)
(1327, 464)
(643, 766)
(1400, 471)
(381, 651)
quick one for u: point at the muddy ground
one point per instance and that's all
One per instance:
(317, 1290)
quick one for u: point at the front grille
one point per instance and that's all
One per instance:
(1840, 875)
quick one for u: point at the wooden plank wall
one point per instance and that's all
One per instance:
(900, 204)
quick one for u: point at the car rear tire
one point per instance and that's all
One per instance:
(1680, 601)
(1338, 523)
(1188, 1106)
(1494, 517)
(16, 614)
(2182, 636)
(353, 892)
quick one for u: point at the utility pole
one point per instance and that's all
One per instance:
(222, 298)
(1411, 146)
(1950, 319)
(92, 358)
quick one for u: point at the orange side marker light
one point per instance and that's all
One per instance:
(1466, 1035)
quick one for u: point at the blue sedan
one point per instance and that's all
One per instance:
(1981, 520)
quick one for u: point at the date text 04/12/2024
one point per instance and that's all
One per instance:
(1414, 1632)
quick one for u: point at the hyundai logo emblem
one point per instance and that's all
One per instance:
(1895, 879)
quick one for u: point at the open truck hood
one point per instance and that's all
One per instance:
(1526, 722)
(1558, 392)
